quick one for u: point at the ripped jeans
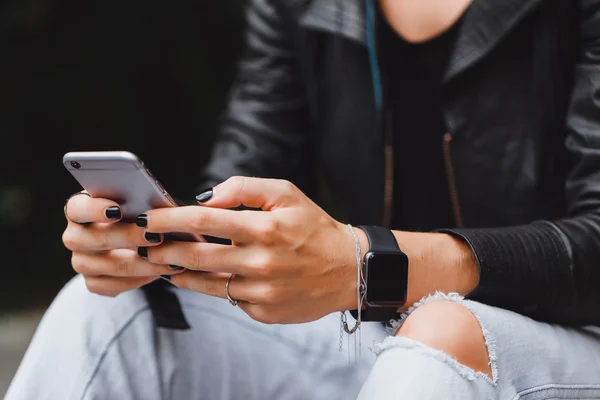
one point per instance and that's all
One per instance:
(93, 347)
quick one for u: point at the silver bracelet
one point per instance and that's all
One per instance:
(360, 296)
(360, 288)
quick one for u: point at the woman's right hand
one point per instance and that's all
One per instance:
(104, 251)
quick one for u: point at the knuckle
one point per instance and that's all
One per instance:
(235, 185)
(262, 264)
(269, 295)
(286, 186)
(124, 266)
(78, 263)
(69, 239)
(254, 263)
(237, 181)
(199, 221)
(268, 264)
(94, 286)
(196, 259)
(264, 317)
(267, 229)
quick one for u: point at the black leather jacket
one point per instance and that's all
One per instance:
(522, 103)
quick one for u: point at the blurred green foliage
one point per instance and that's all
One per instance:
(150, 78)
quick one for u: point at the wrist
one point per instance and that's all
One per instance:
(437, 262)
(349, 289)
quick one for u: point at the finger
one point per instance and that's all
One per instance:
(83, 209)
(118, 263)
(208, 257)
(111, 286)
(214, 284)
(266, 194)
(226, 224)
(101, 236)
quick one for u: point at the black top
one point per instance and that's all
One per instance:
(421, 192)
(532, 206)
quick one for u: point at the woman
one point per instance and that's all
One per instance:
(467, 128)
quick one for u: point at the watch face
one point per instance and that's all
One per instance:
(386, 277)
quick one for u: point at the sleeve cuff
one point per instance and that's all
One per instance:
(518, 265)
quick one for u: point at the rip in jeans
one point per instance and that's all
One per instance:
(407, 343)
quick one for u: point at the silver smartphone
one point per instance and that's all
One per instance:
(122, 177)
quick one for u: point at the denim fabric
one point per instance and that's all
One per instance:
(93, 347)
(528, 359)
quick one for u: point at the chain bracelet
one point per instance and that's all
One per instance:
(360, 288)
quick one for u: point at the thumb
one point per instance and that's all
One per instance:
(260, 193)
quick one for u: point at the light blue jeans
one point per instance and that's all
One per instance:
(93, 347)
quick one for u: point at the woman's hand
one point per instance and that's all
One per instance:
(104, 251)
(292, 262)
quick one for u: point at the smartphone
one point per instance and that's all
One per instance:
(122, 177)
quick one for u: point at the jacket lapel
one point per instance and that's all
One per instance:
(339, 17)
(485, 23)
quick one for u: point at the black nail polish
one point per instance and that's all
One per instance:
(141, 220)
(166, 277)
(175, 268)
(113, 213)
(143, 252)
(205, 196)
(152, 237)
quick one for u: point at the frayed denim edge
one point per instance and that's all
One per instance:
(463, 370)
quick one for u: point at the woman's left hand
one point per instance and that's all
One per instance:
(292, 261)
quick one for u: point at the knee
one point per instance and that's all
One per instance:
(451, 328)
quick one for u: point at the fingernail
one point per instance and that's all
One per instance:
(205, 196)
(143, 252)
(113, 213)
(166, 278)
(152, 237)
(141, 220)
(175, 268)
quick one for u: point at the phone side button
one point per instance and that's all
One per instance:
(170, 199)
(162, 189)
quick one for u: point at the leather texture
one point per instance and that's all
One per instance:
(521, 99)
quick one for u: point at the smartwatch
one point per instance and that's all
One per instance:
(385, 271)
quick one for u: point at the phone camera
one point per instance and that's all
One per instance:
(75, 164)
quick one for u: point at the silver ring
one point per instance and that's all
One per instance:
(232, 301)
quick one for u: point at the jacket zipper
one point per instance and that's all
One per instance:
(385, 126)
(451, 176)
(388, 151)
(388, 196)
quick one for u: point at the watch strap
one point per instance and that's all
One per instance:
(380, 240)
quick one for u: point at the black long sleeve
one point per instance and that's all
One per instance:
(550, 270)
(527, 269)
(546, 269)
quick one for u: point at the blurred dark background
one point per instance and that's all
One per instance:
(103, 75)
